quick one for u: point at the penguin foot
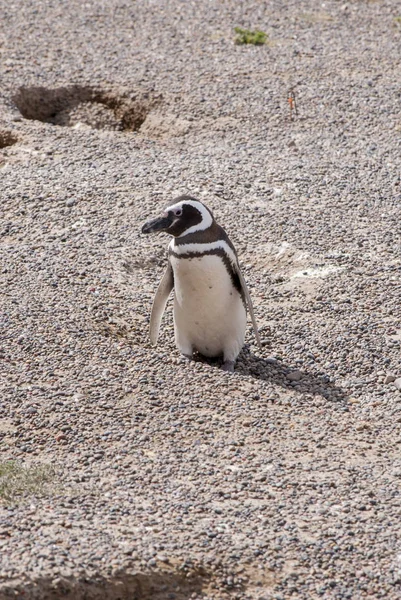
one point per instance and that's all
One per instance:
(228, 366)
(188, 356)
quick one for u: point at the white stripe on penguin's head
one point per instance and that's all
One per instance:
(207, 217)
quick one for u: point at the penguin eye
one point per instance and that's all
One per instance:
(178, 212)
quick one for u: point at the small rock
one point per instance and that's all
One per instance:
(70, 202)
(397, 383)
(294, 376)
(389, 378)
(361, 426)
(162, 558)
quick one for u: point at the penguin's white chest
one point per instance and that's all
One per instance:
(209, 315)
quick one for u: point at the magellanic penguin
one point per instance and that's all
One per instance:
(210, 293)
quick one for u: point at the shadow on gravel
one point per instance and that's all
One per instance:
(275, 371)
(7, 138)
(161, 585)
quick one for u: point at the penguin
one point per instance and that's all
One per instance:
(210, 293)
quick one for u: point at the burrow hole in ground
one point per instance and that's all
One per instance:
(76, 106)
(7, 138)
(159, 585)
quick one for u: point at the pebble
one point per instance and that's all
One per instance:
(397, 383)
(294, 376)
(162, 558)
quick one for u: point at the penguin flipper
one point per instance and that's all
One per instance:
(159, 303)
(249, 304)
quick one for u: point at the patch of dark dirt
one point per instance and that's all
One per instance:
(85, 106)
(7, 138)
(160, 585)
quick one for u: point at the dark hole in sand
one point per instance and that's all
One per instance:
(76, 106)
(7, 138)
(158, 585)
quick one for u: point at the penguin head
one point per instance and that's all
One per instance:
(186, 215)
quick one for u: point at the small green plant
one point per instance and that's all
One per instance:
(397, 21)
(246, 36)
(18, 480)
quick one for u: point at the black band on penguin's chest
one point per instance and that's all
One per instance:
(221, 254)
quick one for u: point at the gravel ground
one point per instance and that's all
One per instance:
(173, 480)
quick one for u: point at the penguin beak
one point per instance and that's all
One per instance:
(159, 224)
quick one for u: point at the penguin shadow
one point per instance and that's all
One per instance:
(276, 371)
(287, 376)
